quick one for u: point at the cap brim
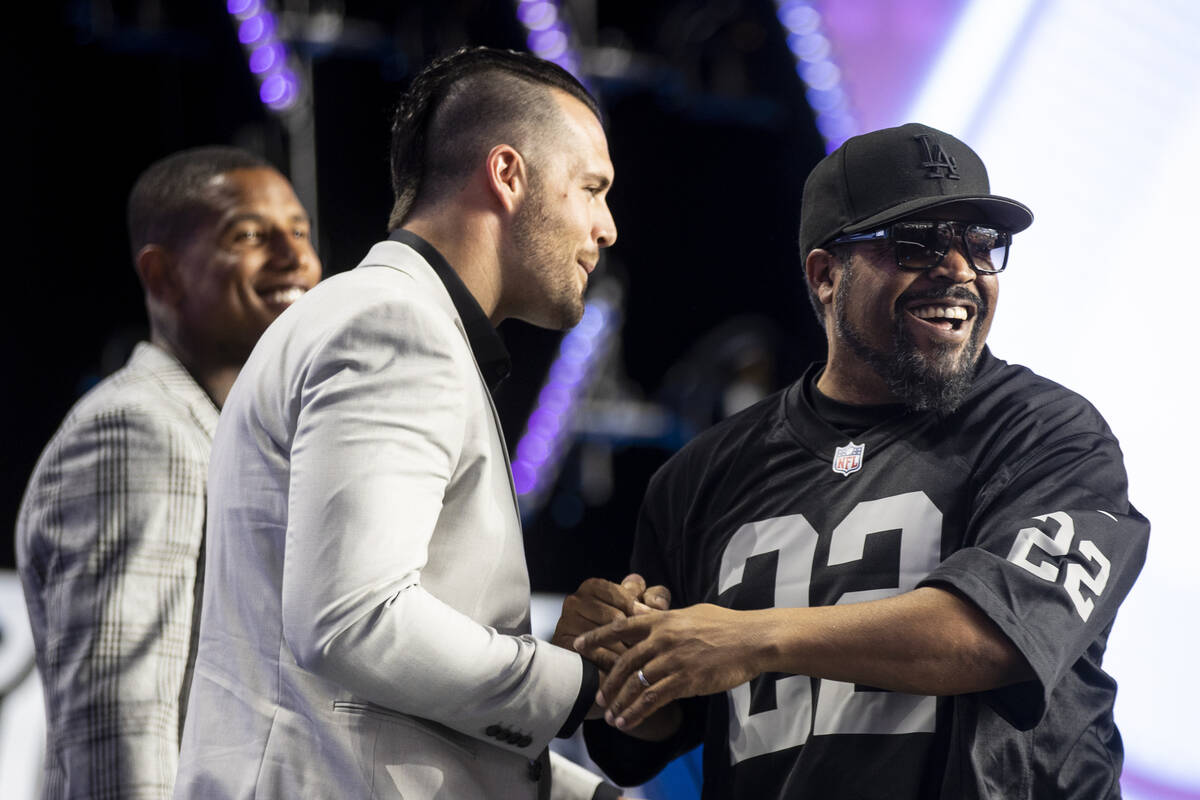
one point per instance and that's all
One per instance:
(1000, 211)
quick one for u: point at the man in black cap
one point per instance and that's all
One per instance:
(896, 577)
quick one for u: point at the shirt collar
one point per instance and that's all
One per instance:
(490, 353)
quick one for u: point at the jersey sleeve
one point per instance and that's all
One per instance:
(1054, 546)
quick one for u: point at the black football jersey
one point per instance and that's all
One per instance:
(1017, 501)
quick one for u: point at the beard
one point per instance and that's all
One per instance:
(938, 380)
(554, 299)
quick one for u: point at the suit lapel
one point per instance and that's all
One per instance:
(403, 258)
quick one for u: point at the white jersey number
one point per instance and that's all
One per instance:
(840, 708)
(1058, 546)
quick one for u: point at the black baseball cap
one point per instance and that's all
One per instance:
(889, 174)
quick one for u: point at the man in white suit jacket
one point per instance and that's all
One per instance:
(365, 630)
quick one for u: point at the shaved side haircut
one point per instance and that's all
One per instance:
(460, 107)
(171, 196)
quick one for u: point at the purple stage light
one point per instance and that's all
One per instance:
(798, 17)
(256, 28)
(555, 396)
(578, 349)
(549, 44)
(826, 100)
(548, 428)
(273, 89)
(266, 57)
(537, 16)
(524, 477)
(548, 35)
(533, 448)
(820, 75)
(814, 64)
(242, 8)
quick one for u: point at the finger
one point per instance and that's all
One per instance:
(657, 597)
(621, 697)
(629, 630)
(648, 699)
(634, 584)
(622, 677)
(585, 613)
(608, 593)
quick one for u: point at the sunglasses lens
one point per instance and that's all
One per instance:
(920, 245)
(987, 247)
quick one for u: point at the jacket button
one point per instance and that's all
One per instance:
(493, 731)
(525, 741)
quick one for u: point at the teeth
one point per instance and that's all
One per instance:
(939, 312)
(283, 297)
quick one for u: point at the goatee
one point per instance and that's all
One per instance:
(938, 380)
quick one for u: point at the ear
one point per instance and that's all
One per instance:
(506, 176)
(819, 268)
(159, 273)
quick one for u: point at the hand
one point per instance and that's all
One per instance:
(598, 602)
(703, 649)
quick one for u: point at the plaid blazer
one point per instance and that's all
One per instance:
(109, 539)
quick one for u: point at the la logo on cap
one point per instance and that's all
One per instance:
(848, 458)
(939, 163)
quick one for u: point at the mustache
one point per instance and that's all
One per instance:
(946, 293)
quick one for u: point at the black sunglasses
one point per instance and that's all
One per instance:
(923, 245)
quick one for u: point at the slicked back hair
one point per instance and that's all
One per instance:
(461, 106)
(172, 196)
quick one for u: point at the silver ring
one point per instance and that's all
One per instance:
(642, 677)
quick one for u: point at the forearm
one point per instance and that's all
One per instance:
(413, 652)
(927, 641)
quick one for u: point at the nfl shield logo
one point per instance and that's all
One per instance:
(848, 458)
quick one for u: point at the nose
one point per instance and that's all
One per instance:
(605, 228)
(288, 252)
(955, 268)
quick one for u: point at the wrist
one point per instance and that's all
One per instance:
(769, 644)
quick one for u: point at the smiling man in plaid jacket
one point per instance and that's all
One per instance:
(111, 530)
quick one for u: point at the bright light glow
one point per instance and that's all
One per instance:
(265, 58)
(798, 17)
(980, 46)
(538, 16)
(814, 64)
(1087, 111)
(278, 86)
(256, 28)
(243, 8)
(549, 44)
(273, 89)
(547, 431)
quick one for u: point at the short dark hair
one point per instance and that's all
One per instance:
(171, 196)
(459, 107)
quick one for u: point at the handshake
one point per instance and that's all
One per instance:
(650, 656)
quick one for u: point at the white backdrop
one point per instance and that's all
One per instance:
(1092, 118)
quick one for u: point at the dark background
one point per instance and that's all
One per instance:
(708, 130)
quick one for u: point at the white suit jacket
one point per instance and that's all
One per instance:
(365, 623)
